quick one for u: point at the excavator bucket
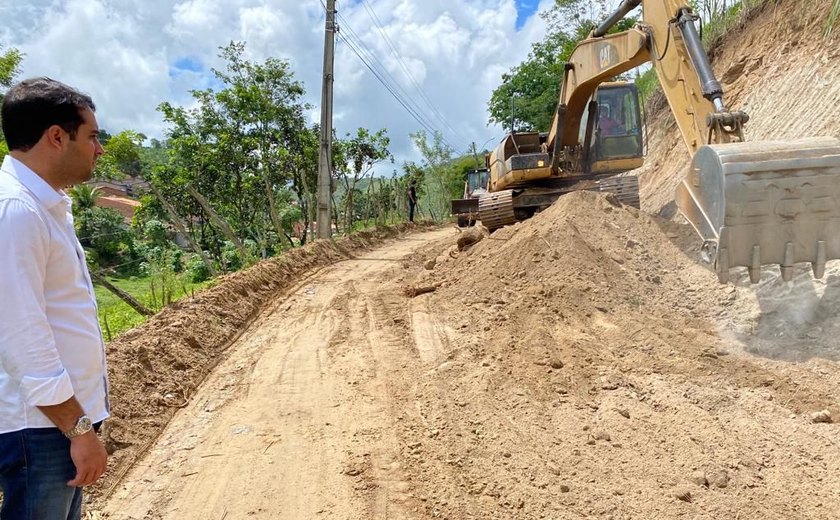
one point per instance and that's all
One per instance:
(766, 202)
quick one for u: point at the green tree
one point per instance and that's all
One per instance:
(84, 198)
(239, 147)
(359, 154)
(441, 180)
(9, 69)
(122, 156)
(304, 166)
(104, 232)
(265, 100)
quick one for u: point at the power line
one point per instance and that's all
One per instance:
(417, 117)
(401, 62)
(100, 235)
(115, 267)
(381, 73)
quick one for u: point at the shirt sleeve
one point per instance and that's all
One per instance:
(27, 347)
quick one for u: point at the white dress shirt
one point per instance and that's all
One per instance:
(51, 346)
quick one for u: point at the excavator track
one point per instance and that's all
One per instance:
(496, 209)
(625, 187)
(766, 202)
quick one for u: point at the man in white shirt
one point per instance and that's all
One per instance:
(53, 380)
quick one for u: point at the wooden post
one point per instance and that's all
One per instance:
(124, 296)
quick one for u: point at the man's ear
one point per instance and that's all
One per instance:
(56, 137)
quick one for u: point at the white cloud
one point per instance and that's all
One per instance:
(193, 17)
(130, 55)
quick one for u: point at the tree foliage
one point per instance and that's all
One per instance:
(240, 147)
(122, 156)
(10, 60)
(442, 180)
(84, 198)
(9, 69)
(356, 156)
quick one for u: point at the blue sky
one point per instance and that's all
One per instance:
(524, 10)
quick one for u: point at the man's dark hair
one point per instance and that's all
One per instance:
(33, 105)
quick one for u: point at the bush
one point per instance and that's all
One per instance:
(103, 231)
(155, 232)
(231, 259)
(197, 271)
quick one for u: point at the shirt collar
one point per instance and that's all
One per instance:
(33, 182)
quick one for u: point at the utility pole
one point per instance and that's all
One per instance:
(325, 158)
(475, 154)
(512, 113)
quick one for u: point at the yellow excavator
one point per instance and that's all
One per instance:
(753, 203)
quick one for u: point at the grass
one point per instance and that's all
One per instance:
(833, 16)
(722, 21)
(647, 83)
(116, 316)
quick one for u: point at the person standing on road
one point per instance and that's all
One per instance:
(53, 380)
(412, 199)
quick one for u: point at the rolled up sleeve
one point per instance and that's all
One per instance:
(46, 391)
(27, 346)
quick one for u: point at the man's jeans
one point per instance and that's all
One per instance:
(35, 466)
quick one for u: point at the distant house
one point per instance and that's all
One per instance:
(124, 205)
(119, 195)
(128, 187)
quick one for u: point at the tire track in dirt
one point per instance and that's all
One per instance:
(298, 422)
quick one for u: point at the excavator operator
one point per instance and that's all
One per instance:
(608, 124)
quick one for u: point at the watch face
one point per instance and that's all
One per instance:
(84, 423)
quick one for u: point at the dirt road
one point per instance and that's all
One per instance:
(578, 365)
(300, 420)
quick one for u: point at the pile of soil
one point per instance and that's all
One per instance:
(598, 373)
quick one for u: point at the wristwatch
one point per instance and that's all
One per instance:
(83, 425)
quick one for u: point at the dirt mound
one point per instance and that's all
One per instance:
(597, 377)
(154, 369)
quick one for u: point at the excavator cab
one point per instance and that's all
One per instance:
(476, 183)
(616, 135)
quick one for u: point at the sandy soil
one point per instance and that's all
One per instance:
(579, 365)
